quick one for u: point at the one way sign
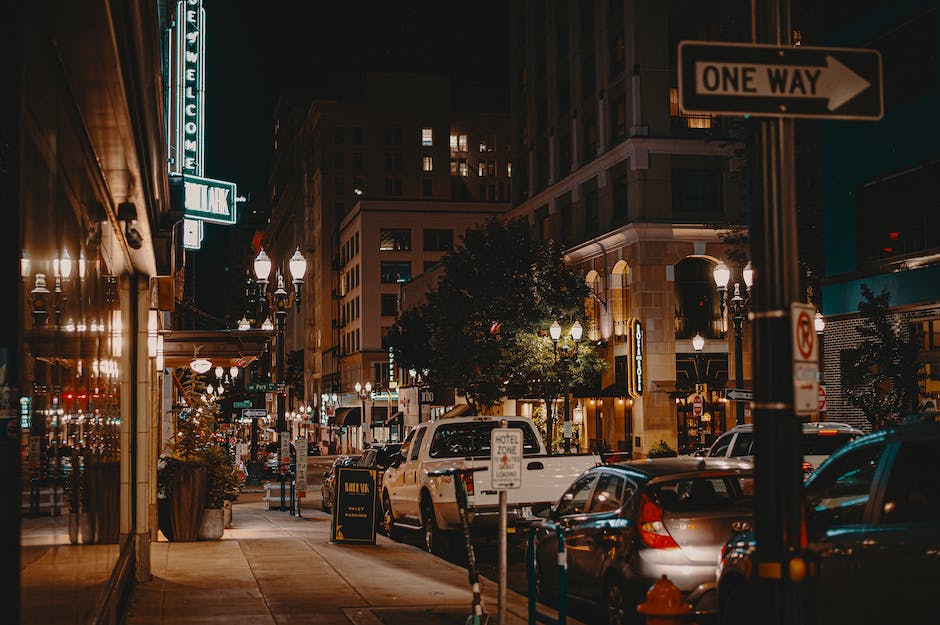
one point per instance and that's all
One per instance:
(762, 80)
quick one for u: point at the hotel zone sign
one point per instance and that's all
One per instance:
(789, 81)
(506, 458)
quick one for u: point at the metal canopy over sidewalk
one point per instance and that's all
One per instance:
(223, 347)
(349, 416)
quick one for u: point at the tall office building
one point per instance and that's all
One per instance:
(374, 186)
(639, 193)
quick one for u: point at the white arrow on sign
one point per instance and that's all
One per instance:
(737, 394)
(255, 412)
(835, 82)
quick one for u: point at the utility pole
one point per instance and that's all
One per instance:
(778, 483)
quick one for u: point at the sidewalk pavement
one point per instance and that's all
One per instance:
(274, 568)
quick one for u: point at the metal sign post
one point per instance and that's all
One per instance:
(506, 472)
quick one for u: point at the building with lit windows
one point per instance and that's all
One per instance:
(376, 184)
(879, 184)
(640, 194)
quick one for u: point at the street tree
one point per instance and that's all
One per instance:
(485, 322)
(888, 363)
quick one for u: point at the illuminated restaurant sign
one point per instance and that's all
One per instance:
(635, 366)
(209, 200)
(189, 81)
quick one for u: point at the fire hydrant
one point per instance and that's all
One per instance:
(664, 604)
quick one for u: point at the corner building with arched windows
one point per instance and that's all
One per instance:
(641, 195)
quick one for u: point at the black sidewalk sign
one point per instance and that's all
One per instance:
(790, 81)
(354, 503)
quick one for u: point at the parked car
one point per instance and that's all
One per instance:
(819, 440)
(329, 479)
(414, 499)
(628, 524)
(872, 524)
(379, 456)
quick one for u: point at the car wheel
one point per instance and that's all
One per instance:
(434, 539)
(617, 610)
(388, 519)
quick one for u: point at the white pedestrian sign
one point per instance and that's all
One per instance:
(506, 458)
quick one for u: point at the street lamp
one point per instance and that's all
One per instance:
(364, 392)
(566, 353)
(279, 302)
(737, 308)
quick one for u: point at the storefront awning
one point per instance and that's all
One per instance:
(614, 390)
(223, 347)
(349, 416)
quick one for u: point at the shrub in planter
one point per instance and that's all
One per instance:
(662, 450)
(194, 475)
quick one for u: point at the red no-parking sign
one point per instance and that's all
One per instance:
(822, 398)
(805, 359)
(698, 405)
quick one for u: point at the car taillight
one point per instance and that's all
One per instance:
(652, 531)
(468, 483)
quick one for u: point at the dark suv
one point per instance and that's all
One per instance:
(872, 530)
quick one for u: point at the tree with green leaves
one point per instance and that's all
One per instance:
(888, 364)
(484, 325)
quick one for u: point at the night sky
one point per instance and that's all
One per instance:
(257, 51)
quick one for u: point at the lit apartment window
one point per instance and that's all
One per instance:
(509, 170)
(458, 142)
(488, 144)
(427, 137)
(453, 167)
(699, 122)
(463, 168)
(394, 271)
(394, 240)
(427, 163)
(482, 169)
(490, 168)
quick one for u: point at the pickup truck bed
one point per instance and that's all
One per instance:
(415, 499)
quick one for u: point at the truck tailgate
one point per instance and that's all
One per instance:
(544, 479)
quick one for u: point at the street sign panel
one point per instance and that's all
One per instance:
(738, 394)
(698, 405)
(254, 413)
(284, 440)
(805, 359)
(241, 404)
(506, 458)
(260, 387)
(767, 80)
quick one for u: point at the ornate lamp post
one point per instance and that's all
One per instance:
(279, 302)
(737, 308)
(566, 354)
(364, 393)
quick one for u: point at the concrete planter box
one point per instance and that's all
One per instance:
(213, 524)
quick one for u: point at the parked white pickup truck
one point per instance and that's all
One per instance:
(413, 499)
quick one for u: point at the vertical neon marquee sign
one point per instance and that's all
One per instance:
(188, 145)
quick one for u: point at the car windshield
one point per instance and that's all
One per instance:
(472, 439)
(702, 493)
(824, 444)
